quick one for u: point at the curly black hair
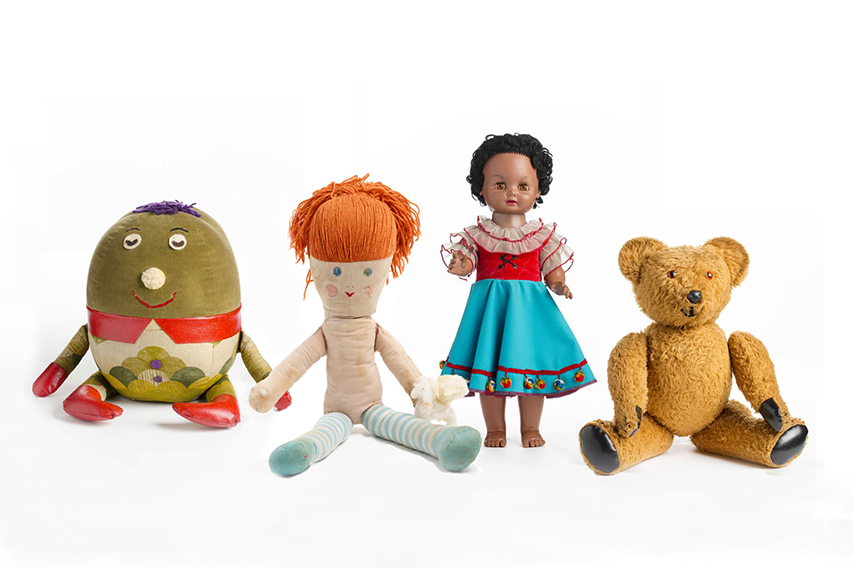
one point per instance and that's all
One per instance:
(523, 144)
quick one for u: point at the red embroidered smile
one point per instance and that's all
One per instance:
(147, 305)
(349, 294)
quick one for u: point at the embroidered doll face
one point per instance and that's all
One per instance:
(350, 289)
(164, 266)
(510, 185)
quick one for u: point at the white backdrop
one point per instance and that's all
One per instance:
(681, 122)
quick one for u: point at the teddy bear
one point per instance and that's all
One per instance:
(675, 377)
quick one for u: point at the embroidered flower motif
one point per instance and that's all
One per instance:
(559, 385)
(528, 383)
(506, 382)
(540, 383)
(579, 377)
(490, 386)
(153, 365)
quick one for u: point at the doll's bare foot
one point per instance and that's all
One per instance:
(532, 439)
(495, 439)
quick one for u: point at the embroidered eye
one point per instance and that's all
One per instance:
(178, 242)
(671, 273)
(500, 186)
(368, 271)
(337, 271)
(524, 187)
(709, 275)
(132, 241)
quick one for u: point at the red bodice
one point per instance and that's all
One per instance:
(505, 266)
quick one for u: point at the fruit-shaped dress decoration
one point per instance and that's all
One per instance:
(163, 303)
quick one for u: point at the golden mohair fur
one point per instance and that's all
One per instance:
(677, 373)
(355, 221)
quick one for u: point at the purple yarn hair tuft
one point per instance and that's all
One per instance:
(167, 208)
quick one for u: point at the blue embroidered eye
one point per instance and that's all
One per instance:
(368, 271)
(337, 271)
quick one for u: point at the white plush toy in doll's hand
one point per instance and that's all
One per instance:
(355, 234)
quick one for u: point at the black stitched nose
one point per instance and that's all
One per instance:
(695, 296)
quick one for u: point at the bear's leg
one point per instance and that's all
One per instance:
(88, 401)
(296, 455)
(606, 453)
(220, 410)
(454, 446)
(738, 434)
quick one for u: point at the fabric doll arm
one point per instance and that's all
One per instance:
(627, 377)
(252, 358)
(756, 378)
(258, 366)
(264, 395)
(397, 360)
(56, 373)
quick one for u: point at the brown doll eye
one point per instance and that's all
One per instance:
(178, 242)
(524, 187)
(709, 275)
(500, 186)
(671, 273)
(132, 241)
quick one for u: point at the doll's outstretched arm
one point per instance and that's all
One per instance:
(556, 280)
(459, 265)
(264, 395)
(627, 377)
(56, 373)
(756, 378)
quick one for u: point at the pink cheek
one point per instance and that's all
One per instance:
(331, 291)
(367, 292)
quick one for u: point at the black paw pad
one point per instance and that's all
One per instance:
(772, 415)
(790, 444)
(598, 449)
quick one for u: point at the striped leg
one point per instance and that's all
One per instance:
(295, 456)
(455, 447)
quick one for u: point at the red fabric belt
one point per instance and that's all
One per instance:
(127, 329)
(508, 266)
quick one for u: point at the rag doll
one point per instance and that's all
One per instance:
(355, 234)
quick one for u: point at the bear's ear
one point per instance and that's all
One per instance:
(735, 256)
(634, 253)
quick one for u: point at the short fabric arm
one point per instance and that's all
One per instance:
(252, 358)
(397, 360)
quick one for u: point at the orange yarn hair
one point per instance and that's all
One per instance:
(355, 221)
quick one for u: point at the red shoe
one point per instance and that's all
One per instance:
(85, 403)
(221, 412)
(50, 380)
(284, 401)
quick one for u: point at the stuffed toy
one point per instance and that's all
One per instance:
(355, 233)
(675, 378)
(513, 341)
(163, 299)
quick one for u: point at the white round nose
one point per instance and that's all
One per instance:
(153, 278)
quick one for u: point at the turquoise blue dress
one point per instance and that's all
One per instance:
(513, 340)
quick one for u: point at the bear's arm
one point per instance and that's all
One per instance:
(627, 375)
(756, 377)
